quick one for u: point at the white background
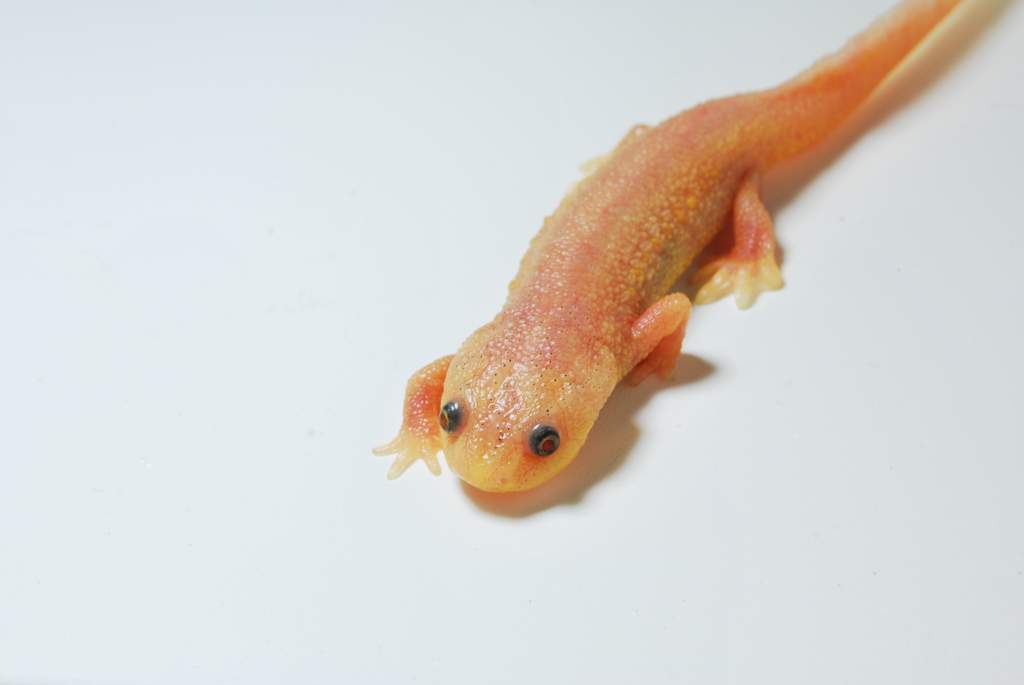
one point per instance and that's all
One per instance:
(230, 231)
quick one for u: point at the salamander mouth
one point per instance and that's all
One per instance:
(510, 471)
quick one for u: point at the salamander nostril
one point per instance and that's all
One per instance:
(451, 416)
(544, 440)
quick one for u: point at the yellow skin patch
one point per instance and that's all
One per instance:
(590, 305)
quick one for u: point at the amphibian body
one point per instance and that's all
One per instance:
(591, 304)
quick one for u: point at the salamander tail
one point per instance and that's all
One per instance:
(805, 109)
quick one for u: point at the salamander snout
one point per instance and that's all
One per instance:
(498, 447)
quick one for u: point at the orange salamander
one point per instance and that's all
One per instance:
(591, 304)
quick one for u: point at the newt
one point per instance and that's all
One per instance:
(592, 302)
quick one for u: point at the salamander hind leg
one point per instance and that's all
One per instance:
(748, 267)
(420, 435)
(658, 337)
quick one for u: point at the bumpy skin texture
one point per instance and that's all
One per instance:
(590, 304)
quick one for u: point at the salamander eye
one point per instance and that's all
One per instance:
(451, 416)
(544, 440)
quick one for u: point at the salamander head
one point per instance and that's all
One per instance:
(517, 405)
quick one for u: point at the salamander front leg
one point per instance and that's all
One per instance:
(748, 268)
(658, 336)
(420, 435)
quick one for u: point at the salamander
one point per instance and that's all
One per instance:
(593, 304)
